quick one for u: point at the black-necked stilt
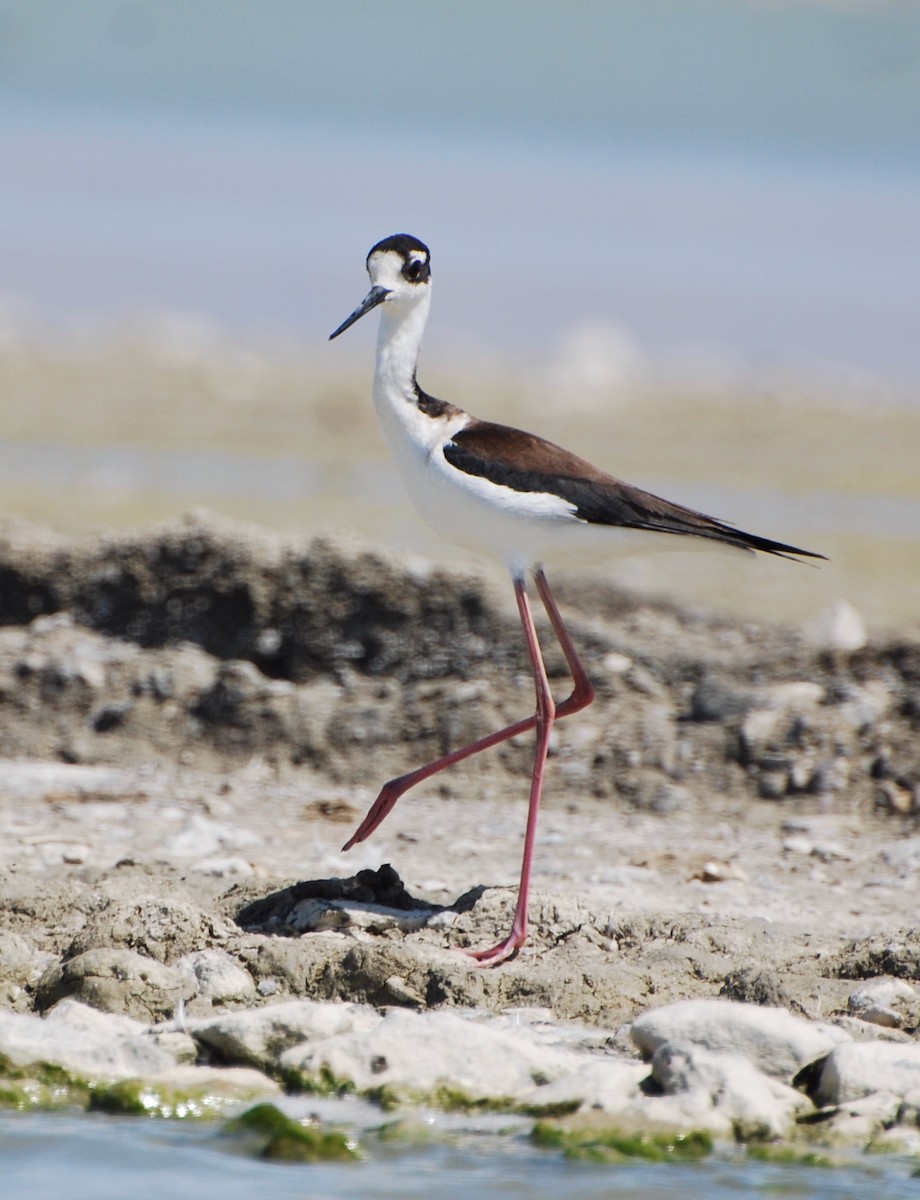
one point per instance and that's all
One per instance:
(511, 494)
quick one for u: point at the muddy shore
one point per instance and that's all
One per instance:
(193, 719)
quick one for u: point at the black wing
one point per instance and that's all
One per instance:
(528, 463)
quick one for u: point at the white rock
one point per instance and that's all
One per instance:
(260, 1035)
(81, 1018)
(27, 779)
(839, 627)
(610, 1085)
(422, 1051)
(766, 722)
(858, 1122)
(22, 961)
(217, 976)
(616, 664)
(909, 1108)
(83, 1042)
(219, 1087)
(756, 1105)
(798, 844)
(760, 728)
(884, 1001)
(795, 696)
(772, 1039)
(857, 1069)
(865, 705)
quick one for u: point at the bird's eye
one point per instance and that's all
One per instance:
(414, 270)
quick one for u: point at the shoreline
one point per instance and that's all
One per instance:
(194, 719)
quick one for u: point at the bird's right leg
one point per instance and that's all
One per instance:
(581, 697)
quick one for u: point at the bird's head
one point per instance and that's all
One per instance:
(400, 272)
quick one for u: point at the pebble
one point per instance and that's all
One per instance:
(888, 1002)
(839, 627)
(217, 976)
(717, 700)
(23, 966)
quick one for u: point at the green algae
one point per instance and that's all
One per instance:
(785, 1155)
(40, 1087)
(561, 1108)
(408, 1131)
(391, 1097)
(616, 1146)
(323, 1083)
(280, 1138)
(135, 1097)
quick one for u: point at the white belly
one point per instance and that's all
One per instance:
(521, 529)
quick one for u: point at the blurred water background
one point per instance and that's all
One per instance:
(681, 238)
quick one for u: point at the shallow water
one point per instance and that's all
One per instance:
(44, 1157)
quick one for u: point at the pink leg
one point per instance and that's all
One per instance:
(582, 695)
(544, 718)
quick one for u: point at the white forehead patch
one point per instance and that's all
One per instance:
(385, 267)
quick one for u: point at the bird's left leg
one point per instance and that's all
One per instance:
(545, 716)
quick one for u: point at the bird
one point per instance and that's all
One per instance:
(518, 498)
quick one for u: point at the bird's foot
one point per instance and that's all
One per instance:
(502, 952)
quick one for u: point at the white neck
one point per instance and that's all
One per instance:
(398, 341)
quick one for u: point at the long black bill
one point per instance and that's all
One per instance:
(371, 300)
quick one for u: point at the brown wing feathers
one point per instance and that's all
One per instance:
(528, 463)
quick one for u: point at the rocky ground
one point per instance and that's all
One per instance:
(193, 720)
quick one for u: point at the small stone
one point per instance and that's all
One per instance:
(616, 664)
(773, 785)
(884, 1001)
(218, 977)
(112, 716)
(719, 872)
(798, 844)
(398, 991)
(839, 627)
(716, 700)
